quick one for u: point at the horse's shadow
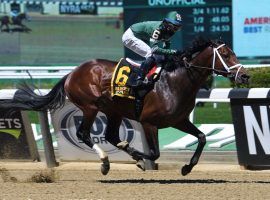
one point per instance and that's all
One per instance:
(18, 30)
(177, 181)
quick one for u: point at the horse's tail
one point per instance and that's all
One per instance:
(26, 99)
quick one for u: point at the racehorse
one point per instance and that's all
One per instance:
(6, 20)
(167, 105)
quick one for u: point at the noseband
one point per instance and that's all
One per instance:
(228, 69)
(216, 55)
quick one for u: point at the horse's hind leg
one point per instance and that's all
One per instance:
(190, 128)
(112, 134)
(151, 134)
(83, 133)
(112, 129)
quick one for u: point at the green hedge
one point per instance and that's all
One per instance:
(259, 77)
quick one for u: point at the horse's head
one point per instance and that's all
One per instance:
(218, 57)
(24, 16)
(225, 62)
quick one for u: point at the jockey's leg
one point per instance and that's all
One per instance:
(145, 67)
(142, 49)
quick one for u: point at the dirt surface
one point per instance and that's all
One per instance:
(84, 181)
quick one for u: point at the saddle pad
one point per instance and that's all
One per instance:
(119, 80)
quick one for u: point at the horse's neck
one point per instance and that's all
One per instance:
(178, 91)
(190, 80)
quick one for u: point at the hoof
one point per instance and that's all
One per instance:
(140, 164)
(105, 166)
(186, 170)
(122, 145)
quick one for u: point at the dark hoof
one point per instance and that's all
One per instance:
(122, 145)
(140, 164)
(105, 166)
(186, 170)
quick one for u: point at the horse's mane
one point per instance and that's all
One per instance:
(198, 44)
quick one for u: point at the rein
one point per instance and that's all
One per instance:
(189, 65)
(216, 55)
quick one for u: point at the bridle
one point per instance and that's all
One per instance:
(216, 55)
(228, 69)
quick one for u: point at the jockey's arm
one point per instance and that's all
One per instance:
(162, 51)
(167, 44)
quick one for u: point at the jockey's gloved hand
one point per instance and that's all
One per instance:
(178, 52)
(188, 55)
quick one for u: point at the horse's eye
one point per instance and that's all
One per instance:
(226, 56)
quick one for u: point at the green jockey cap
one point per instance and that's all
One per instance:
(174, 18)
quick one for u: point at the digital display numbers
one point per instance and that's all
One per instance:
(213, 21)
(210, 18)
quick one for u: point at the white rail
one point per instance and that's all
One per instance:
(35, 72)
(47, 72)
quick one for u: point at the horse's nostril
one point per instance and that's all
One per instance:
(245, 76)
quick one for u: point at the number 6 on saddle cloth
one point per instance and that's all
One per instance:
(126, 71)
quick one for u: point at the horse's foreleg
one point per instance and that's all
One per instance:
(25, 28)
(151, 135)
(190, 128)
(83, 133)
(8, 29)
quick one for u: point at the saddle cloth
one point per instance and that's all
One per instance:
(122, 72)
(11, 19)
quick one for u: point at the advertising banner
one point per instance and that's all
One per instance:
(13, 140)
(219, 137)
(252, 133)
(251, 28)
(66, 121)
(77, 8)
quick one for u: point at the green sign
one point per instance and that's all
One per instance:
(13, 141)
(219, 137)
(209, 18)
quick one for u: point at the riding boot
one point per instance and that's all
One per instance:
(138, 107)
(145, 67)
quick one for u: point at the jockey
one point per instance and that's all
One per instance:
(14, 13)
(145, 39)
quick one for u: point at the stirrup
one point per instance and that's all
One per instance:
(138, 108)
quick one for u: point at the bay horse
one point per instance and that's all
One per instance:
(168, 105)
(6, 21)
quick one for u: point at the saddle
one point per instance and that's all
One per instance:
(11, 19)
(125, 72)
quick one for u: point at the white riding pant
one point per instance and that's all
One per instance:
(135, 44)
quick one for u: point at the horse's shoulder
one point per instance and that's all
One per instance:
(105, 62)
(101, 63)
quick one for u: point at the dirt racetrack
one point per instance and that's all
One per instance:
(83, 181)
